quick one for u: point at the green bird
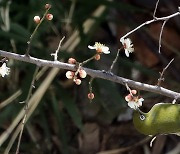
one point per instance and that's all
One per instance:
(163, 118)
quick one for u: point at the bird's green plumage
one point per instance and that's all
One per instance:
(163, 118)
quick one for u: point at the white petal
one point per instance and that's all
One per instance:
(128, 42)
(127, 52)
(91, 47)
(105, 50)
(131, 50)
(132, 105)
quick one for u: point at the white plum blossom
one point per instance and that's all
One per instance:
(134, 101)
(100, 48)
(4, 70)
(135, 104)
(128, 46)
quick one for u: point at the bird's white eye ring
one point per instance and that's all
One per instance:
(142, 117)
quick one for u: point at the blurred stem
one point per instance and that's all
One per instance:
(71, 11)
(26, 108)
(34, 32)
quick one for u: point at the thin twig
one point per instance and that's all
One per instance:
(56, 52)
(160, 35)
(88, 60)
(125, 149)
(34, 32)
(90, 88)
(154, 14)
(93, 73)
(115, 60)
(149, 22)
(26, 108)
(162, 73)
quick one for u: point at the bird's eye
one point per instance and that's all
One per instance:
(142, 117)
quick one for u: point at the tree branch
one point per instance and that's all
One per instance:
(151, 21)
(94, 73)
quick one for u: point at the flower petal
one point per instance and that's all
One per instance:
(128, 42)
(132, 105)
(105, 50)
(91, 47)
(127, 52)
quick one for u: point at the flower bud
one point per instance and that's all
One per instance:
(71, 61)
(97, 57)
(77, 81)
(47, 6)
(128, 97)
(134, 92)
(49, 16)
(69, 74)
(37, 19)
(91, 96)
(82, 73)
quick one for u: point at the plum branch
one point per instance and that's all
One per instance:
(94, 73)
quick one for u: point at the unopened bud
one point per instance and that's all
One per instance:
(37, 19)
(77, 81)
(91, 96)
(49, 16)
(134, 92)
(82, 73)
(71, 61)
(69, 74)
(128, 97)
(97, 57)
(47, 6)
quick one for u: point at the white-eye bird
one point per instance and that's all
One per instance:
(163, 118)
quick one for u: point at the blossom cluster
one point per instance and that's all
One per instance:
(74, 75)
(134, 101)
(48, 16)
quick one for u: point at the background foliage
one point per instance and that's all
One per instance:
(64, 121)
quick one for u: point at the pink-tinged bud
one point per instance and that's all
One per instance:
(69, 74)
(128, 98)
(71, 61)
(47, 6)
(77, 81)
(49, 16)
(91, 96)
(134, 92)
(37, 19)
(97, 57)
(82, 73)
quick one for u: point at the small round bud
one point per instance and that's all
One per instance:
(37, 19)
(82, 73)
(71, 61)
(49, 16)
(69, 74)
(91, 96)
(97, 57)
(77, 81)
(47, 6)
(134, 92)
(128, 98)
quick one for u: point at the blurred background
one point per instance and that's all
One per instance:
(62, 120)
